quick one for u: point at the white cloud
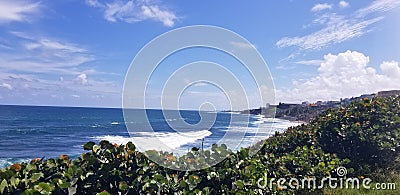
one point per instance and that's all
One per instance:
(339, 28)
(344, 4)
(155, 13)
(44, 55)
(336, 32)
(321, 6)
(34, 90)
(378, 6)
(309, 62)
(343, 75)
(81, 79)
(7, 86)
(93, 3)
(47, 71)
(11, 10)
(391, 69)
(54, 45)
(135, 11)
(4, 46)
(75, 96)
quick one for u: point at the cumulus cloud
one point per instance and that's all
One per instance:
(11, 10)
(321, 6)
(81, 79)
(391, 69)
(344, 4)
(134, 11)
(343, 75)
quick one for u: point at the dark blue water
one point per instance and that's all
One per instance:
(28, 132)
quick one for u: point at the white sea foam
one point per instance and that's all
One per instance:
(167, 141)
(284, 124)
(259, 130)
(5, 162)
(277, 123)
(264, 127)
(116, 139)
(115, 123)
(173, 141)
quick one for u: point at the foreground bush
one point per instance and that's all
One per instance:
(113, 169)
(367, 132)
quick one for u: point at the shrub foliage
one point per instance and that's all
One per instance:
(367, 132)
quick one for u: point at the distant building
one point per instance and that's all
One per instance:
(388, 93)
(284, 106)
(369, 96)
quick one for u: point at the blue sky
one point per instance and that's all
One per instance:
(76, 53)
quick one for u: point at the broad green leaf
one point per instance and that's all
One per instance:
(123, 186)
(36, 176)
(240, 184)
(3, 186)
(103, 193)
(14, 181)
(43, 187)
(88, 146)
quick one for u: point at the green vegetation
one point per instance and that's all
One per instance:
(363, 137)
(366, 132)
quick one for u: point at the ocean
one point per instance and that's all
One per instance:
(28, 132)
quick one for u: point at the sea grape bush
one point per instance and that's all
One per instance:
(314, 150)
(367, 132)
(114, 169)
